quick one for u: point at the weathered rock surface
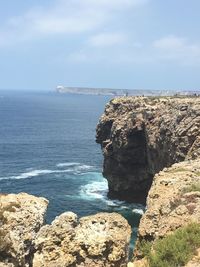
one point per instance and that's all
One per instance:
(173, 201)
(98, 240)
(195, 262)
(21, 217)
(140, 136)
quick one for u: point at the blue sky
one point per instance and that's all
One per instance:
(147, 44)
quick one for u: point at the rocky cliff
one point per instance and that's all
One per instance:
(99, 240)
(140, 136)
(150, 146)
(173, 202)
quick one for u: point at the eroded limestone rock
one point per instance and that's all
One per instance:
(21, 217)
(173, 201)
(100, 240)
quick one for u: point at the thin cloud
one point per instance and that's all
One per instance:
(64, 17)
(114, 4)
(177, 48)
(107, 39)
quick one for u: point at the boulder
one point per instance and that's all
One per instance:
(21, 217)
(99, 240)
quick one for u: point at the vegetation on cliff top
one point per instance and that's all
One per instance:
(174, 250)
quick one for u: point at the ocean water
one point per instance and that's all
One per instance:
(47, 148)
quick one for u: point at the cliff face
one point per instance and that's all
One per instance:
(99, 240)
(140, 136)
(173, 202)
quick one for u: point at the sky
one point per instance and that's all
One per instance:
(132, 44)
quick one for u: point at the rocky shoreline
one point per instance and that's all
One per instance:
(151, 149)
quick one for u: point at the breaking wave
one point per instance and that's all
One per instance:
(67, 164)
(73, 168)
(99, 190)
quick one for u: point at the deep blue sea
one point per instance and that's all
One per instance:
(47, 148)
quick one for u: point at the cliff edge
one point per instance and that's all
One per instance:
(140, 136)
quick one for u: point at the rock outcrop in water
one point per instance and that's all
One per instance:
(140, 136)
(99, 240)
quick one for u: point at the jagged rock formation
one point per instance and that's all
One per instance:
(21, 217)
(140, 136)
(99, 240)
(173, 201)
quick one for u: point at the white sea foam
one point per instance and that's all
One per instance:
(97, 190)
(112, 203)
(33, 173)
(73, 167)
(115, 203)
(138, 211)
(67, 164)
(83, 168)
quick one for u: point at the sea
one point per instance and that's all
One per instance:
(48, 149)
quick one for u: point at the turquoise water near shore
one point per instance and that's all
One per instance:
(47, 148)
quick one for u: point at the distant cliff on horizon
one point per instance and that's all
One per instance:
(123, 92)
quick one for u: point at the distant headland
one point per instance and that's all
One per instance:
(124, 92)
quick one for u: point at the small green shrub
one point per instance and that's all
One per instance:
(174, 250)
(145, 248)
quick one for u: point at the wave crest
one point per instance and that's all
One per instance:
(99, 190)
(73, 168)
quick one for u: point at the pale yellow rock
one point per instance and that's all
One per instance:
(100, 240)
(195, 262)
(171, 203)
(139, 263)
(21, 217)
